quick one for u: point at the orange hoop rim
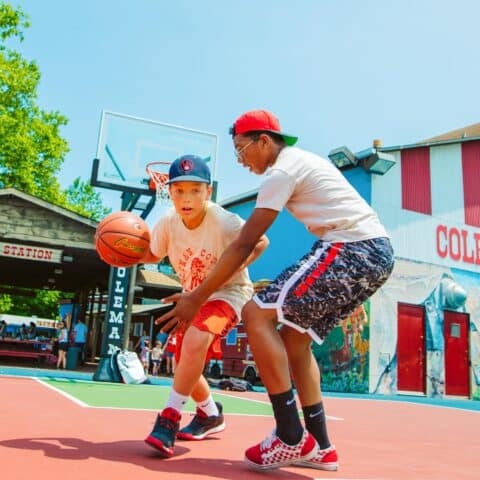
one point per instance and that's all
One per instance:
(150, 171)
(157, 177)
(158, 180)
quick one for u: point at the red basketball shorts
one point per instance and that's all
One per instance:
(217, 317)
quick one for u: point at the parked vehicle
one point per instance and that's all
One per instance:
(237, 359)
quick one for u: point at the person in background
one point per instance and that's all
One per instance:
(170, 348)
(145, 355)
(140, 343)
(62, 339)
(162, 337)
(156, 354)
(32, 331)
(3, 328)
(22, 333)
(80, 338)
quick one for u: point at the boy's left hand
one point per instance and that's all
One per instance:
(181, 315)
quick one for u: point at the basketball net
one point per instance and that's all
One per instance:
(158, 181)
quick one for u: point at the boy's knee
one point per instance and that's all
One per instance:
(248, 313)
(253, 317)
(295, 342)
(196, 340)
(256, 319)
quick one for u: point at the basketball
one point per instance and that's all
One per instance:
(122, 239)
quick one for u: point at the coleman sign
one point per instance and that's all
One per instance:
(30, 252)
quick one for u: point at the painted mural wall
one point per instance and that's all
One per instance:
(437, 254)
(343, 357)
(436, 288)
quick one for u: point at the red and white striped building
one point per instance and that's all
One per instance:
(424, 332)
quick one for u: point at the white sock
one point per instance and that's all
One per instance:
(176, 401)
(209, 407)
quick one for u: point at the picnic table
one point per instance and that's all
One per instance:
(41, 350)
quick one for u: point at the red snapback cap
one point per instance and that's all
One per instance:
(260, 120)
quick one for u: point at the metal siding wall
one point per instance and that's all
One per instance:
(416, 186)
(387, 189)
(289, 240)
(447, 185)
(361, 181)
(471, 182)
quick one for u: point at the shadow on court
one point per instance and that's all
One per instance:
(137, 453)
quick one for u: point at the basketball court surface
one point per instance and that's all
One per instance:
(76, 429)
(53, 427)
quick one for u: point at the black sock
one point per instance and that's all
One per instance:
(289, 427)
(315, 422)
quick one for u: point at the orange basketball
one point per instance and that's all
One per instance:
(122, 239)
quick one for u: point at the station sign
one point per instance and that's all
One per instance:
(30, 252)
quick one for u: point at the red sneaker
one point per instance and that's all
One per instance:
(162, 437)
(326, 459)
(273, 453)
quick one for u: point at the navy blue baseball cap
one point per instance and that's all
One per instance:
(189, 168)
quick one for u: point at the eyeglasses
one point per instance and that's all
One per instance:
(239, 153)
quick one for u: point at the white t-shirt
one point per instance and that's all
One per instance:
(194, 253)
(316, 193)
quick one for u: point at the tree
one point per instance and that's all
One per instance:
(6, 303)
(43, 303)
(32, 149)
(84, 200)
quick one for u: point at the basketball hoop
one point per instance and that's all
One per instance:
(158, 180)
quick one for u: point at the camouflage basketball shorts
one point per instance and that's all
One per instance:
(328, 284)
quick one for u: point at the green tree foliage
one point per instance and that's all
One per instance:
(11, 22)
(6, 303)
(32, 150)
(84, 200)
(43, 303)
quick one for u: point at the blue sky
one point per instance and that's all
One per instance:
(336, 72)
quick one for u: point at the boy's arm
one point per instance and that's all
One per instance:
(259, 248)
(158, 237)
(238, 253)
(149, 257)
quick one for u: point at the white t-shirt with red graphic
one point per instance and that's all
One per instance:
(194, 253)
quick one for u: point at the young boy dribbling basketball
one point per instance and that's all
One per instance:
(194, 235)
(350, 260)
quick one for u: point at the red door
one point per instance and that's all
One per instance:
(457, 370)
(411, 348)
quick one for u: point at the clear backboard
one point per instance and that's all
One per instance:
(126, 144)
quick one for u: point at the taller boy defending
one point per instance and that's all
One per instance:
(350, 260)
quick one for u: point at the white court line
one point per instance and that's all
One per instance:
(264, 403)
(86, 405)
(403, 402)
(61, 392)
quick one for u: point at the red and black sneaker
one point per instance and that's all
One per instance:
(201, 426)
(162, 437)
(273, 453)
